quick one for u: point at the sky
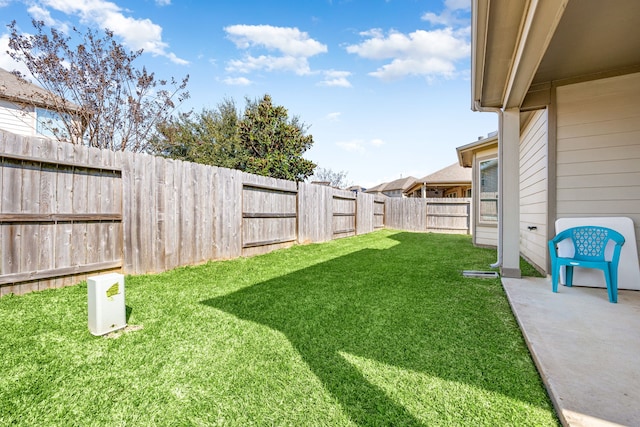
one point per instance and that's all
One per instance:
(383, 85)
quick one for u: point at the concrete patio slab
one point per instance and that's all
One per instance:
(587, 350)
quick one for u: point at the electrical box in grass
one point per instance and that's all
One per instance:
(106, 309)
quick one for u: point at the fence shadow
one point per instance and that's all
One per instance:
(344, 306)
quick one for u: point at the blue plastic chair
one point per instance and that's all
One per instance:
(589, 243)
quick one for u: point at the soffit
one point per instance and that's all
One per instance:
(593, 36)
(502, 31)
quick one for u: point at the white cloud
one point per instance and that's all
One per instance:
(135, 33)
(42, 14)
(7, 61)
(450, 16)
(237, 81)
(353, 146)
(458, 4)
(163, 2)
(425, 53)
(289, 48)
(333, 117)
(336, 78)
(359, 145)
(270, 63)
(289, 41)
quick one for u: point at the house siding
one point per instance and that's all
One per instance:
(483, 235)
(534, 189)
(598, 149)
(16, 118)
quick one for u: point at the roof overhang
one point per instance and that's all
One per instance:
(466, 152)
(519, 48)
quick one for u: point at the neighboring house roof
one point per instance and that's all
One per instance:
(465, 152)
(14, 89)
(451, 176)
(399, 184)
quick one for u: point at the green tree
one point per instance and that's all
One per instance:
(115, 105)
(209, 137)
(274, 143)
(264, 140)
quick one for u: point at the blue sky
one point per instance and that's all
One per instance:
(383, 84)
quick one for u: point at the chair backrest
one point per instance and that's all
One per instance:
(590, 241)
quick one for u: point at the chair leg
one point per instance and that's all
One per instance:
(568, 275)
(555, 270)
(612, 285)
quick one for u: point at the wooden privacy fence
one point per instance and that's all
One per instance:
(68, 211)
(439, 215)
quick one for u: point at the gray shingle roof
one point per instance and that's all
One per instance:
(15, 90)
(450, 175)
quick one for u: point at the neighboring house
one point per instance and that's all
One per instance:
(452, 181)
(27, 109)
(564, 78)
(394, 188)
(482, 157)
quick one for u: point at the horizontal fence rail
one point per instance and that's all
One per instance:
(68, 212)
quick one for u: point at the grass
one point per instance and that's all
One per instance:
(379, 329)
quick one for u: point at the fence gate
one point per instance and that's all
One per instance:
(449, 215)
(378, 214)
(344, 215)
(269, 217)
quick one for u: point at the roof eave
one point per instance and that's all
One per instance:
(479, 24)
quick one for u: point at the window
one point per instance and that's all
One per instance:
(49, 123)
(488, 211)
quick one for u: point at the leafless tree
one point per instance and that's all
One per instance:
(108, 102)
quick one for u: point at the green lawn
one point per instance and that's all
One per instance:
(379, 329)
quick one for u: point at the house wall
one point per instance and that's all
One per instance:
(598, 149)
(533, 189)
(17, 118)
(483, 234)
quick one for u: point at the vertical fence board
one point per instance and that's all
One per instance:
(171, 237)
(80, 203)
(11, 193)
(187, 204)
(129, 217)
(64, 204)
(208, 214)
(46, 244)
(160, 237)
(93, 204)
(229, 220)
(365, 211)
(315, 213)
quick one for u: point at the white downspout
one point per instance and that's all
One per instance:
(480, 108)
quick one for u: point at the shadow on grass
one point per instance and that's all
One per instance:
(406, 307)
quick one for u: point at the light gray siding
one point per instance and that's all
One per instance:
(598, 148)
(17, 118)
(533, 189)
